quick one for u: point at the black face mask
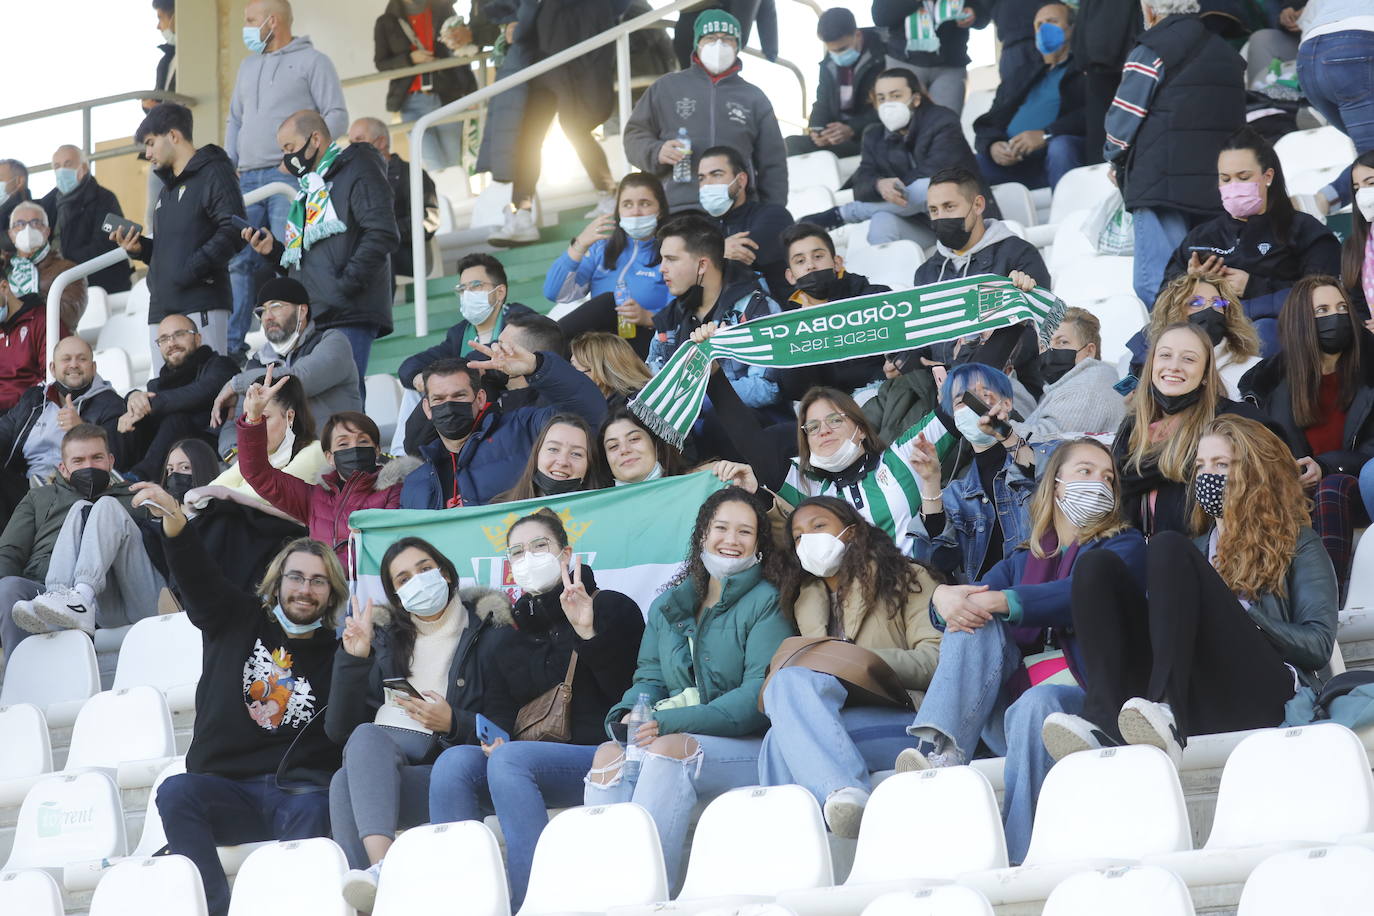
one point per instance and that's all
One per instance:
(298, 163)
(951, 232)
(1334, 334)
(178, 485)
(1055, 363)
(1173, 403)
(350, 461)
(452, 419)
(549, 486)
(819, 284)
(1211, 321)
(89, 482)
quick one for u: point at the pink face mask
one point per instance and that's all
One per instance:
(1242, 198)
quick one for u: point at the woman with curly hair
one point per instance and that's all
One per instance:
(710, 636)
(857, 586)
(1225, 624)
(1208, 301)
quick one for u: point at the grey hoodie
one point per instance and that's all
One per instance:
(999, 252)
(270, 88)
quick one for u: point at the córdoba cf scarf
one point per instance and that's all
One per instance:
(312, 214)
(849, 328)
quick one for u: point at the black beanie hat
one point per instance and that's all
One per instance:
(283, 289)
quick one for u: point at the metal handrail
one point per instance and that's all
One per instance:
(85, 109)
(269, 190)
(443, 63)
(59, 286)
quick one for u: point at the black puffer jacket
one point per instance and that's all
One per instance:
(1266, 385)
(892, 15)
(872, 61)
(933, 141)
(80, 237)
(191, 387)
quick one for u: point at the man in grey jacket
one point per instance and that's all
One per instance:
(282, 74)
(320, 358)
(716, 107)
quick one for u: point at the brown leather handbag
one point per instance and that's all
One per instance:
(870, 680)
(548, 717)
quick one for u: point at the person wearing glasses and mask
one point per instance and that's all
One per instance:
(319, 358)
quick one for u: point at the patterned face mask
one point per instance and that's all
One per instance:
(1085, 501)
(1210, 490)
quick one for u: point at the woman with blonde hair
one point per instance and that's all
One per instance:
(1210, 302)
(1225, 624)
(610, 362)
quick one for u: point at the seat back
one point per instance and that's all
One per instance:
(383, 402)
(420, 878)
(1136, 891)
(162, 651)
(1078, 189)
(94, 317)
(154, 837)
(889, 263)
(895, 839)
(24, 736)
(1121, 317)
(1360, 593)
(1313, 158)
(30, 892)
(128, 888)
(315, 869)
(1093, 278)
(1015, 201)
(121, 725)
(1118, 802)
(803, 200)
(51, 668)
(946, 900)
(573, 872)
(1309, 784)
(1332, 881)
(68, 818)
(821, 169)
(785, 820)
(128, 332)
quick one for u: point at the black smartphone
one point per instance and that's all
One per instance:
(401, 685)
(975, 404)
(240, 223)
(114, 221)
(488, 732)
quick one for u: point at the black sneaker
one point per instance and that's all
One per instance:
(826, 219)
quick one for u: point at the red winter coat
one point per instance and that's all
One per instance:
(23, 355)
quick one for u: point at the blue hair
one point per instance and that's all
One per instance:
(969, 375)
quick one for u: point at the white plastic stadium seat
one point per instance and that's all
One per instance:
(1093, 278)
(897, 850)
(1101, 808)
(1132, 891)
(128, 731)
(162, 651)
(805, 200)
(1281, 788)
(138, 301)
(68, 818)
(1312, 158)
(129, 333)
(420, 878)
(1081, 189)
(56, 672)
(383, 402)
(1121, 317)
(821, 168)
(114, 367)
(27, 754)
(1361, 590)
(890, 263)
(97, 311)
(950, 900)
(129, 888)
(1332, 881)
(315, 868)
(1015, 202)
(30, 892)
(572, 873)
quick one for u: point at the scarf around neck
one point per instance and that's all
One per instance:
(24, 273)
(312, 215)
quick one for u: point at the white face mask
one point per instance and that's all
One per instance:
(894, 115)
(536, 573)
(169, 36)
(821, 552)
(966, 421)
(723, 567)
(425, 594)
(639, 227)
(848, 452)
(28, 239)
(286, 346)
(1364, 199)
(716, 56)
(475, 305)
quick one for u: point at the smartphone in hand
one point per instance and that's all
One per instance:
(975, 404)
(488, 732)
(401, 685)
(113, 221)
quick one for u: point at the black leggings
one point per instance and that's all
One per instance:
(547, 97)
(598, 314)
(1189, 644)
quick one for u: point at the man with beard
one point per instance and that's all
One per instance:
(320, 358)
(256, 769)
(177, 402)
(72, 556)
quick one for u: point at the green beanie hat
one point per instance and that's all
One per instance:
(718, 21)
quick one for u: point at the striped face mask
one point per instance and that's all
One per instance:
(1085, 501)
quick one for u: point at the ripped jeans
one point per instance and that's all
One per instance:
(669, 788)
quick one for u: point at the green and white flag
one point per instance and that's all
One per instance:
(634, 537)
(846, 329)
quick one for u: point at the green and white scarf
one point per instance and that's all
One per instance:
(836, 331)
(312, 214)
(24, 273)
(922, 25)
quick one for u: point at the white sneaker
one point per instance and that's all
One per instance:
(844, 810)
(1066, 734)
(1145, 722)
(64, 608)
(605, 205)
(360, 887)
(928, 755)
(519, 229)
(25, 619)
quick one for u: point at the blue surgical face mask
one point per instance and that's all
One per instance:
(846, 58)
(66, 180)
(715, 199)
(639, 227)
(253, 40)
(291, 627)
(1049, 38)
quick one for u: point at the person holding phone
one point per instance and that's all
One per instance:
(429, 642)
(561, 615)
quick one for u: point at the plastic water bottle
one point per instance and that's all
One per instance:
(682, 169)
(623, 326)
(634, 754)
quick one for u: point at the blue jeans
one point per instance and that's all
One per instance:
(443, 143)
(1367, 487)
(1336, 72)
(968, 694)
(1158, 233)
(201, 811)
(890, 222)
(360, 338)
(521, 780)
(670, 788)
(1042, 168)
(270, 213)
(817, 743)
(1027, 760)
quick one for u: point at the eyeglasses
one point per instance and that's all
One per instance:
(317, 583)
(535, 547)
(165, 339)
(260, 310)
(1197, 303)
(474, 286)
(813, 427)
(36, 223)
